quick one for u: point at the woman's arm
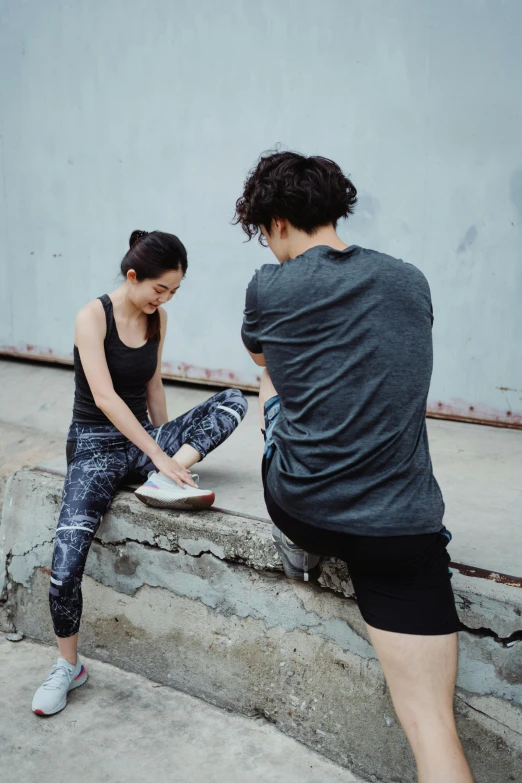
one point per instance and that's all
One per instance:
(156, 400)
(89, 336)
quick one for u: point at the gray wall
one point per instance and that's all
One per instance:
(120, 115)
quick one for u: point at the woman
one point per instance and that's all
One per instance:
(117, 360)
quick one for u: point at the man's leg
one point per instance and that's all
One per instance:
(297, 563)
(421, 673)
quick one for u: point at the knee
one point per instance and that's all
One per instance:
(237, 400)
(64, 586)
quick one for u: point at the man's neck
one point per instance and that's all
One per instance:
(301, 242)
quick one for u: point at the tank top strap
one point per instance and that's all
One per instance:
(109, 313)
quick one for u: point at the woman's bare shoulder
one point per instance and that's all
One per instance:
(91, 315)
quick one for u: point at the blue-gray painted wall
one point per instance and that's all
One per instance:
(117, 115)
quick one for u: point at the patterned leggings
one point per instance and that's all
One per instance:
(99, 458)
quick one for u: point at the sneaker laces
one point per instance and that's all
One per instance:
(58, 676)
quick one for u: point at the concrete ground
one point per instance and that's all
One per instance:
(123, 728)
(478, 467)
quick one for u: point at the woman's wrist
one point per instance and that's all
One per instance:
(155, 451)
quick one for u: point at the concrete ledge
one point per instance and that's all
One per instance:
(199, 602)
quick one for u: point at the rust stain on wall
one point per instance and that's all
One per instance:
(460, 410)
(214, 377)
(455, 410)
(180, 371)
(36, 352)
(491, 576)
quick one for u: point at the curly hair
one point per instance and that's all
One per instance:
(308, 192)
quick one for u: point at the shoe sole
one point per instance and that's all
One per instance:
(195, 503)
(74, 684)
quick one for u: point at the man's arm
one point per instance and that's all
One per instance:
(259, 358)
(251, 328)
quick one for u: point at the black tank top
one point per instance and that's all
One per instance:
(131, 369)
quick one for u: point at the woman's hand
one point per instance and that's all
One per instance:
(173, 470)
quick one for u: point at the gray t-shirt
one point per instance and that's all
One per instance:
(347, 342)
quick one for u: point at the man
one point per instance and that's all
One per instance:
(345, 336)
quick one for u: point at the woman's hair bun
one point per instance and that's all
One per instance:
(136, 236)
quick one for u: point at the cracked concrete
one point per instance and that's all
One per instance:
(199, 602)
(478, 467)
(482, 633)
(237, 591)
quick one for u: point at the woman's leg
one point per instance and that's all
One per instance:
(96, 466)
(190, 437)
(90, 485)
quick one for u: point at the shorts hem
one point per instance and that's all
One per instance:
(449, 629)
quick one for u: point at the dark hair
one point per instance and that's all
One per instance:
(308, 192)
(150, 255)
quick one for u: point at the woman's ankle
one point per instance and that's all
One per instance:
(68, 648)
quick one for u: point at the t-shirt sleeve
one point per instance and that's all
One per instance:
(430, 302)
(251, 328)
(423, 288)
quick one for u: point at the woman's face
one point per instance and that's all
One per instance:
(147, 295)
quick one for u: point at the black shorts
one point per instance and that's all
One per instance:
(402, 583)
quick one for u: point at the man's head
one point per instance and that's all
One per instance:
(287, 193)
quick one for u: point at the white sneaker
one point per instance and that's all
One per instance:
(161, 491)
(51, 697)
